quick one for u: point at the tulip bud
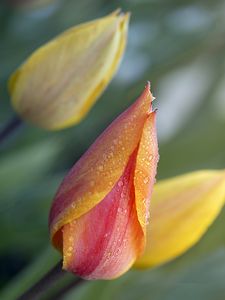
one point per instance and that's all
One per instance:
(57, 85)
(99, 215)
(182, 209)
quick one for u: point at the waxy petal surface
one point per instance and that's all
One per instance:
(182, 209)
(106, 241)
(98, 170)
(57, 85)
(145, 169)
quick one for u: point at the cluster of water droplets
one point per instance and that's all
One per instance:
(70, 242)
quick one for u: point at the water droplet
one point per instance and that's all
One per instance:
(120, 210)
(145, 180)
(117, 252)
(150, 157)
(109, 255)
(120, 183)
(92, 183)
(73, 205)
(71, 239)
(70, 249)
(110, 154)
(100, 168)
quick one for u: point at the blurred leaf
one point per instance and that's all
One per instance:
(30, 275)
(21, 168)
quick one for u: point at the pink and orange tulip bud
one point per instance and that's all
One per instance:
(99, 215)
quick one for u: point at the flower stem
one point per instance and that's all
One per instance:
(67, 288)
(39, 287)
(9, 128)
(46, 282)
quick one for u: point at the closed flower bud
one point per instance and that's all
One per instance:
(57, 85)
(182, 209)
(99, 215)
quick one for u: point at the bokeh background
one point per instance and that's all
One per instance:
(179, 45)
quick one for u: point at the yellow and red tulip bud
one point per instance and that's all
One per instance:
(99, 215)
(57, 85)
(182, 209)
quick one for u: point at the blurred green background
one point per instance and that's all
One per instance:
(180, 47)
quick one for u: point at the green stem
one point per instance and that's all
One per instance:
(44, 283)
(10, 128)
(67, 288)
(47, 282)
(30, 275)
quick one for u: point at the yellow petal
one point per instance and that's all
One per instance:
(182, 209)
(57, 85)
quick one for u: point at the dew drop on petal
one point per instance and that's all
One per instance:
(92, 183)
(100, 168)
(120, 183)
(145, 180)
(120, 210)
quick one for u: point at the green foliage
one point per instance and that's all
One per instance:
(178, 46)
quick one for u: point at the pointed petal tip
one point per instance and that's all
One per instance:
(126, 16)
(148, 90)
(119, 13)
(147, 96)
(116, 12)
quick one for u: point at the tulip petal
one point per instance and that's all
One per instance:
(98, 170)
(60, 81)
(105, 242)
(182, 209)
(145, 171)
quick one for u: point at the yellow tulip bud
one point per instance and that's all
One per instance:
(57, 85)
(181, 211)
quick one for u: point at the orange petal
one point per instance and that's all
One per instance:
(105, 242)
(145, 171)
(98, 170)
